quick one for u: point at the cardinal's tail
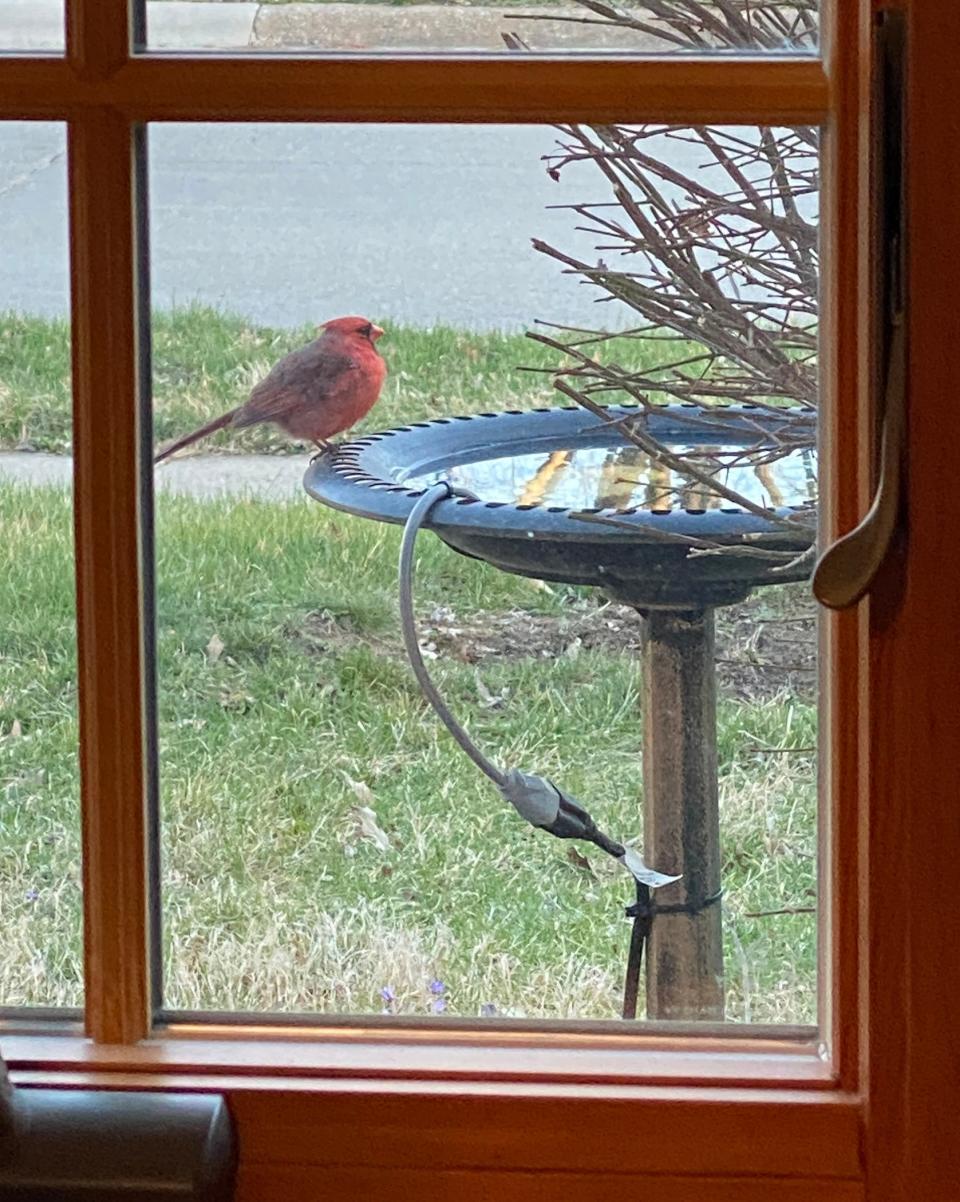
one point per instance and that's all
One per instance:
(218, 423)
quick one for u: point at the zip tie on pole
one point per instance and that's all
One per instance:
(537, 800)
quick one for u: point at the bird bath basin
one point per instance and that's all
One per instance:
(531, 472)
(558, 495)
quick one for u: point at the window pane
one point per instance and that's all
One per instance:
(326, 846)
(639, 26)
(40, 902)
(31, 25)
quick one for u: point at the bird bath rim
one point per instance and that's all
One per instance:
(631, 560)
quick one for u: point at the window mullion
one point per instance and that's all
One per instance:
(110, 578)
(517, 88)
(98, 36)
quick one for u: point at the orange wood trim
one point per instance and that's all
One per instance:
(98, 36)
(642, 1132)
(614, 1035)
(845, 456)
(272, 1184)
(109, 592)
(391, 1058)
(42, 88)
(500, 89)
(447, 1126)
(912, 904)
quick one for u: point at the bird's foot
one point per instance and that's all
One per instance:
(323, 448)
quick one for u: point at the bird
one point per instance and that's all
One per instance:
(315, 392)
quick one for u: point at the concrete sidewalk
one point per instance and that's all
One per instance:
(233, 25)
(275, 477)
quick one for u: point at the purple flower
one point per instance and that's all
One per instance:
(438, 1005)
(32, 894)
(388, 995)
(437, 987)
(488, 1010)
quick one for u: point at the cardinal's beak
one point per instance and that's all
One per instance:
(375, 333)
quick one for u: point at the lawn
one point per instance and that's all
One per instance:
(205, 362)
(325, 845)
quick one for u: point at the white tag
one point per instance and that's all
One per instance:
(646, 876)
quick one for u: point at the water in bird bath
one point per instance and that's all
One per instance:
(626, 477)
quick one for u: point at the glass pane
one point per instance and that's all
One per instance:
(31, 25)
(638, 26)
(40, 901)
(327, 848)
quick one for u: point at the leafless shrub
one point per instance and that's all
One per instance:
(708, 236)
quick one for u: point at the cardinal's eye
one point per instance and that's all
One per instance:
(366, 330)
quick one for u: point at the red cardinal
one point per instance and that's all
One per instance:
(313, 393)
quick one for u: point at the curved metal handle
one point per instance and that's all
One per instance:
(846, 570)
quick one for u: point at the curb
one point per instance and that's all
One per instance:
(28, 25)
(445, 27)
(31, 25)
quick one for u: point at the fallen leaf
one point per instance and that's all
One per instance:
(579, 861)
(230, 699)
(214, 649)
(16, 730)
(490, 701)
(365, 826)
(192, 723)
(361, 791)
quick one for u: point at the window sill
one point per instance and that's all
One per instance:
(418, 1055)
(335, 1103)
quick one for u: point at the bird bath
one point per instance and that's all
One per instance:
(558, 495)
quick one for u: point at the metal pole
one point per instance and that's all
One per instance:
(681, 814)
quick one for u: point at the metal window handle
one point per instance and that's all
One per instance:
(847, 569)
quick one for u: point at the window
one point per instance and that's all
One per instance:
(324, 848)
(26, 25)
(40, 911)
(636, 27)
(360, 1111)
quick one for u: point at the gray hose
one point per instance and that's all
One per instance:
(418, 515)
(537, 800)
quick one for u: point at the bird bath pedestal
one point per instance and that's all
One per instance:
(537, 479)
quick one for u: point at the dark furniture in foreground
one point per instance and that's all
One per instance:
(83, 1145)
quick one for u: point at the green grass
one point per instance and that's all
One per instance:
(273, 899)
(206, 362)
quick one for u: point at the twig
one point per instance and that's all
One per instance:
(785, 910)
(782, 750)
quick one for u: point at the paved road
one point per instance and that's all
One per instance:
(288, 224)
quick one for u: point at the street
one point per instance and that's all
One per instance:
(287, 224)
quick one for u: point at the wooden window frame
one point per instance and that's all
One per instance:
(329, 1109)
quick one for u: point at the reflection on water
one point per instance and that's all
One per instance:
(625, 477)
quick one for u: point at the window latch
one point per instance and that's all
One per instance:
(847, 569)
